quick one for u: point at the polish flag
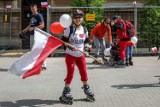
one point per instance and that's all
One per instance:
(9, 7)
(154, 50)
(31, 63)
(44, 4)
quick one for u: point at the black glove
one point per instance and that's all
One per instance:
(24, 36)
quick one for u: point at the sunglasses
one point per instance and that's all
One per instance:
(107, 23)
(77, 17)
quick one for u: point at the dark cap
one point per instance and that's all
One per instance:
(115, 17)
(107, 20)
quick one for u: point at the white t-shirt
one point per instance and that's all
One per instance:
(76, 39)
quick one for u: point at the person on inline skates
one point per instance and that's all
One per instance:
(78, 38)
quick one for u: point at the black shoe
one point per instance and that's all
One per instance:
(131, 63)
(44, 68)
(127, 64)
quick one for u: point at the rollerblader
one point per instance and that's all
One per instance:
(77, 36)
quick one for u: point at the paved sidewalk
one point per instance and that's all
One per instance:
(134, 86)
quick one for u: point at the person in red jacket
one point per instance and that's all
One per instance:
(122, 37)
(98, 34)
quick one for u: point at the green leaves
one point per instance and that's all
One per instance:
(152, 2)
(150, 25)
(99, 12)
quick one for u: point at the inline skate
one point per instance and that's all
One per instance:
(66, 97)
(89, 93)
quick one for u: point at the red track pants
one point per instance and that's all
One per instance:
(81, 64)
(123, 45)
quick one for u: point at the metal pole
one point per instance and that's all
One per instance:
(10, 37)
(135, 15)
(48, 19)
(135, 19)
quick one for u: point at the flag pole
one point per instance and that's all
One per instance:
(73, 47)
(84, 53)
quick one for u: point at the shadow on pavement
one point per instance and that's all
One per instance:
(157, 76)
(103, 66)
(135, 86)
(28, 103)
(83, 99)
(3, 70)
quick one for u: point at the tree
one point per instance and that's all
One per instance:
(99, 12)
(152, 2)
(150, 23)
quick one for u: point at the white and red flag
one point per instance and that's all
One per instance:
(31, 63)
(8, 7)
(44, 4)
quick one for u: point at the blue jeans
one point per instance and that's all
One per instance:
(129, 52)
(100, 44)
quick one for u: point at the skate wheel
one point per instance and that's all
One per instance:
(90, 99)
(61, 99)
(65, 101)
(111, 62)
(70, 103)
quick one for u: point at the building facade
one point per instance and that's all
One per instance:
(16, 19)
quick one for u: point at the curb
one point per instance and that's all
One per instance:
(60, 53)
